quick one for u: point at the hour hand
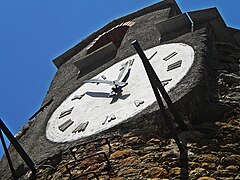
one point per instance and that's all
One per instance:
(99, 81)
(126, 67)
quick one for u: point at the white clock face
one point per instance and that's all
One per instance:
(90, 110)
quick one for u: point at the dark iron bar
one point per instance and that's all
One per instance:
(153, 74)
(7, 155)
(41, 109)
(18, 147)
(156, 85)
(167, 99)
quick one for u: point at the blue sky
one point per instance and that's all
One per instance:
(32, 33)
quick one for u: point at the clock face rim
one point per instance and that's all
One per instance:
(149, 52)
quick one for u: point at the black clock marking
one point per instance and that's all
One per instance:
(65, 125)
(77, 97)
(131, 62)
(65, 113)
(109, 118)
(81, 127)
(165, 82)
(105, 120)
(123, 66)
(138, 102)
(170, 56)
(152, 56)
(174, 65)
(104, 77)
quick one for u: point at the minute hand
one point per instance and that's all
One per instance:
(126, 68)
(99, 81)
(123, 69)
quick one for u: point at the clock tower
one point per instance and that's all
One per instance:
(101, 89)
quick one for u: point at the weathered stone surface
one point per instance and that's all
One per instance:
(130, 161)
(193, 165)
(198, 172)
(132, 140)
(155, 172)
(231, 160)
(206, 178)
(151, 148)
(208, 166)
(154, 141)
(175, 171)
(117, 178)
(229, 79)
(234, 148)
(121, 154)
(223, 174)
(233, 168)
(208, 158)
(127, 171)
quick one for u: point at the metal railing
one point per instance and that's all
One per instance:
(18, 148)
(77, 162)
(92, 141)
(31, 165)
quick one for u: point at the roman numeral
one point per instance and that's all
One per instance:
(65, 125)
(170, 56)
(81, 127)
(77, 97)
(165, 82)
(104, 77)
(152, 56)
(65, 113)
(109, 118)
(174, 65)
(138, 102)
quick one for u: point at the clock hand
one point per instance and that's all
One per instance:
(125, 67)
(130, 63)
(122, 70)
(117, 84)
(112, 83)
(97, 94)
(99, 81)
(116, 97)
